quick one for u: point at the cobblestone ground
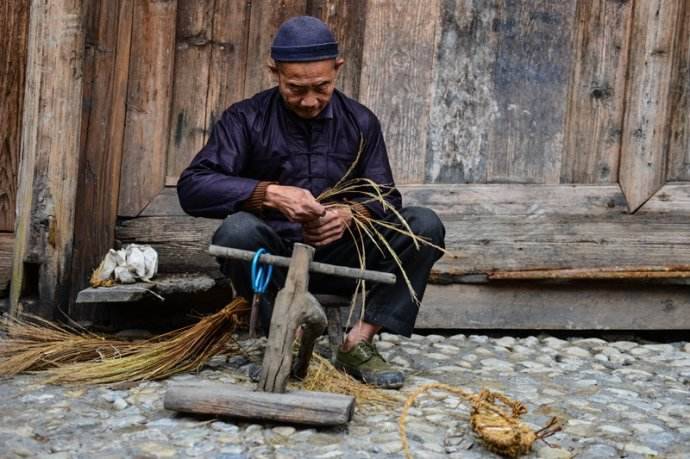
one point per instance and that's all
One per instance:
(617, 399)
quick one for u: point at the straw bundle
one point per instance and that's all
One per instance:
(33, 344)
(178, 351)
(365, 228)
(498, 426)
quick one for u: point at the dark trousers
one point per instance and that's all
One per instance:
(390, 306)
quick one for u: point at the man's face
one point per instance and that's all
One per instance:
(307, 87)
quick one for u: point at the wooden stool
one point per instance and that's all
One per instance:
(334, 305)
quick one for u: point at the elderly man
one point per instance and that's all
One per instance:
(267, 159)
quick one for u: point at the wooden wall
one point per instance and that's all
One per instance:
(547, 134)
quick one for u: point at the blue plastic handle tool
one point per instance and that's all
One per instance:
(261, 275)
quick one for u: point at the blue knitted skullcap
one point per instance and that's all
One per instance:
(303, 39)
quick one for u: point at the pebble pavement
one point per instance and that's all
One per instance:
(618, 399)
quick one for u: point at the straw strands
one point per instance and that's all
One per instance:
(34, 344)
(498, 426)
(324, 377)
(70, 356)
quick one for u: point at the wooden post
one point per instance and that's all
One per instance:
(293, 306)
(49, 156)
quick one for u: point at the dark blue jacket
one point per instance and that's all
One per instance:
(259, 139)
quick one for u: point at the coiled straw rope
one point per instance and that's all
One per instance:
(499, 428)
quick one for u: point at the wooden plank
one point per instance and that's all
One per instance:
(14, 25)
(6, 249)
(575, 306)
(671, 200)
(463, 107)
(494, 199)
(298, 407)
(106, 69)
(194, 34)
(127, 293)
(532, 67)
(228, 57)
(50, 154)
(647, 112)
(399, 43)
(347, 21)
(266, 17)
(148, 104)
(594, 118)
(210, 62)
(679, 148)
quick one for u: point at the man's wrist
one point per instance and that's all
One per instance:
(256, 201)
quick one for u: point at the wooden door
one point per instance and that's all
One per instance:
(14, 23)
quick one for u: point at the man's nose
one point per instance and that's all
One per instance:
(309, 102)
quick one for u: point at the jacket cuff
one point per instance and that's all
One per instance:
(255, 202)
(360, 208)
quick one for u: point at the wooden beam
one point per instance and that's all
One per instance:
(149, 93)
(679, 148)
(14, 25)
(582, 305)
(106, 68)
(398, 57)
(647, 113)
(299, 407)
(489, 228)
(50, 154)
(594, 118)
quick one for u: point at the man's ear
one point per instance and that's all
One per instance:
(339, 63)
(273, 67)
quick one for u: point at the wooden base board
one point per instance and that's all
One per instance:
(6, 249)
(575, 306)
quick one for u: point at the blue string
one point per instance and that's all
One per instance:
(261, 275)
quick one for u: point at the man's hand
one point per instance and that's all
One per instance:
(297, 204)
(329, 228)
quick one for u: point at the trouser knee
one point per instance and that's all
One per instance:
(426, 223)
(240, 230)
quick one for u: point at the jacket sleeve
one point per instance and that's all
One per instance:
(212, 186)
(374, 165)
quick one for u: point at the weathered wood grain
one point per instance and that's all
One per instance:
(346, 20)
(14, 25)
(463, 104)
(531, 71)
(679, 148)
(106, 64)
(210, 61)
(194, 34)
(228, 57)
(6, 249)
(494, 227)
(148, 104)
(50, 155)
(299, 407)
(399, 43)
(594, 120)
(294, 306)
(266, 17)
(574, 306)
(647, 112)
